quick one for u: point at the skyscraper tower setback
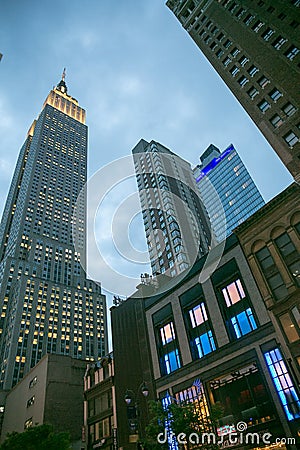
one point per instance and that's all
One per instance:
(254, 47)
(176, 222)
(47, 304)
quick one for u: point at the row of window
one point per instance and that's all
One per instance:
(238, 316)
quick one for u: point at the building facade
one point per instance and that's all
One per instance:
(224, 175)
(271, 242)
(254, 47)
(216, 344)
(176, 223)
(100, 422)
(52, 393)
(47, 305)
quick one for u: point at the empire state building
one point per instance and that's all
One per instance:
(47, 304)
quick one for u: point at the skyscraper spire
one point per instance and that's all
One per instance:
(62, 85)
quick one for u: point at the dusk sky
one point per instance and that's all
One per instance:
(138, 74)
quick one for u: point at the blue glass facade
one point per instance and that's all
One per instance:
(224, 176)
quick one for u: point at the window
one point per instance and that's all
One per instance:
(248, 19)
(292, 52)
(240, 13)
(199, 331)
(267, 34)
(283, 384)
(271, 273)
(279, 42)
(264, 105)
(168, 349)
(220, 37)
(235, 52)
(234, 71)
(238, 313)
(233, 293)
(227, 43)
(227, 61)
(252, 92)
(28, 423)
(253, 70)
(220, 53)
(290, 255)
(276, 121)
(32, 382)
(291, 138)
(30, 401)
(290, 322)
(243, 60)
(275, 94)
(289, 109)
(263, 81)
(243, 80)
(257, 26)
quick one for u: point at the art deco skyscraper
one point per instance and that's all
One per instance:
(47, 305)
(225, 175)
(254, 47)
(176, 223)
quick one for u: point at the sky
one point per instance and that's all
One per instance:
(139, 75)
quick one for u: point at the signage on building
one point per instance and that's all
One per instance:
(115, 439)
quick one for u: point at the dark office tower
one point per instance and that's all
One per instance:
(47, 305)
(254, 47)
(176, 223)
(224, 176)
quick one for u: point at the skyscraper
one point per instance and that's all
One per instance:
(254, 47)
(47, 305)
(176, 223)
(224, 175)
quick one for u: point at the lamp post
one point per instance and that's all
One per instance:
(133, 411)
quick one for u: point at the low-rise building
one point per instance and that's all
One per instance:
(52, 392)
(100, 423)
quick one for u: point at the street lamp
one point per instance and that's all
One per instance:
(133, 410)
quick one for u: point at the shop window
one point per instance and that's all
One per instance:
(283, 383)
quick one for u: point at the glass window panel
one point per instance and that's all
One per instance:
(289, 327)
(296, 314)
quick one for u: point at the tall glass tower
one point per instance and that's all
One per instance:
(47, 305)
(225, 175)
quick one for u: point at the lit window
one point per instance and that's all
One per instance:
(198, 315)
(290, 138)
(233, 293)
(292, 52)
(205, 344)
(264, 105)
(28, 423)
(167, 333)
(283, 384)
(243, 323)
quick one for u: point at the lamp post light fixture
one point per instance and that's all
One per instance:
(133, 410)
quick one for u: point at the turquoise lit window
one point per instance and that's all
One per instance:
(283, 383)
(243, 323)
